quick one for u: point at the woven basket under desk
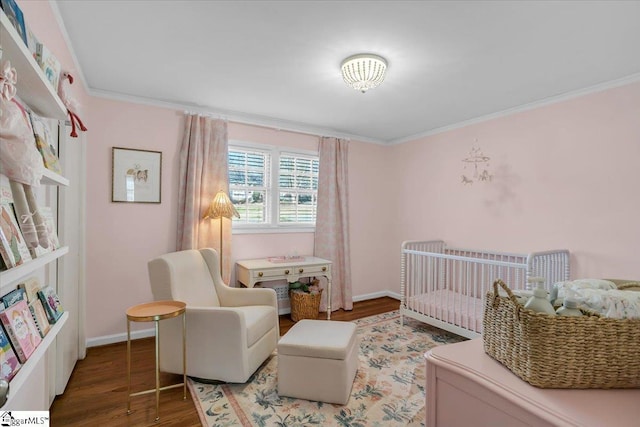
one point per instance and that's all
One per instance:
(550, 351)
(304, 305)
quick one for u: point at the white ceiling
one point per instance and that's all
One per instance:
(277, 62)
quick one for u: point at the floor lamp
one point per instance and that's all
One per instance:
(221, 207)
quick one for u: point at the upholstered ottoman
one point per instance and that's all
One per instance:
(318, 360)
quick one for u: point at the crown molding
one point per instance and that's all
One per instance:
(304, 128)
(235, 116)
(525, 107)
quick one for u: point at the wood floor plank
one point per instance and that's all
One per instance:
(97, 390)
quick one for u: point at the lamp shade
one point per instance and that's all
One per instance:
(221, 206)
(364, 71)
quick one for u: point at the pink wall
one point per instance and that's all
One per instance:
(566, 176)
(123, 237)
(372, 186)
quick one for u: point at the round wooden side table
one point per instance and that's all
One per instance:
(155, 312)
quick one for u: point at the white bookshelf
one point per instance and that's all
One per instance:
(52, 178)
(30, 389)
(28, 368)
(33, 87)
(9, 278)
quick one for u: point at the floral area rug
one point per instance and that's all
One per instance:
(388, 389)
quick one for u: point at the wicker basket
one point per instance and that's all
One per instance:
(559, 351)
(304, 305)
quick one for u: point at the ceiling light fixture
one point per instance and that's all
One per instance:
(364, 71)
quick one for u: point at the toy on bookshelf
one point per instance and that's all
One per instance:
(51, 303)
(9, 363)
(21, 329)
(71, 104)
(20, 160)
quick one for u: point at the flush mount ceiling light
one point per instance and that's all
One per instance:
(364, 71)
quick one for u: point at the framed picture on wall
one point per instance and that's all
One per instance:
(136, 175)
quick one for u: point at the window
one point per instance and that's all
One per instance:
(249, 183)
(272, 187)
(298, 189)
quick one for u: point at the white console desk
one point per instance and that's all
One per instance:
(251, 271)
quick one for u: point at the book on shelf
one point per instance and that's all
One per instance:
(39, 317)
(51, 303)
(26, 219)
(33, 211)
(12, 244)
(8, 260)
(50, 226)
(15, 16)
(32, 42)
(6, 195)
(21, 329)
(31, 323)
(9, 363)
(31, 287)
(44, 142)
(49, 64)
(13, 297)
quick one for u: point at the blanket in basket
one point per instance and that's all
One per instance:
(551, 351)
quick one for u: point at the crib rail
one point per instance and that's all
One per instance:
(445, 286)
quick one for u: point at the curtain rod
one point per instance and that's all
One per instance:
(205, 114)
(247, 122)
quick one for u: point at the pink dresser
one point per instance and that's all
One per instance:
(465, 387)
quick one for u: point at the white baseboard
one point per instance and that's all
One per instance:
(146, 333)
(111, 339)
(379, 294)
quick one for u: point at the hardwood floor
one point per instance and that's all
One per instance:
(97, 390)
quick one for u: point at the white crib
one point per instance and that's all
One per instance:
(445, 287)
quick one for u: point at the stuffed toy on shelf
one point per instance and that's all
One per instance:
(70, 103)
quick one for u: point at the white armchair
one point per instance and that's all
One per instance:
(230, 331)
